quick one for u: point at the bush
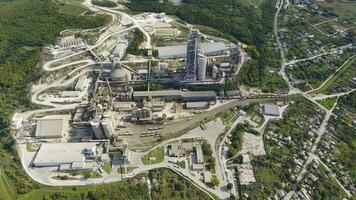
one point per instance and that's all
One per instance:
(104, 3)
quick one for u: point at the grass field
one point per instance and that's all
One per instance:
(153, 157)
(5, 190)
(64, 178)
(328, 103)
(74, 7)
(336, 75)
(107, 167)
(121, 170)
(118, 190)
(257, 118)
(343, 8)
(226, 116)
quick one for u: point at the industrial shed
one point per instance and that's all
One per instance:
(176, 95)
(180, 51)
(68, 156)
(52, 126)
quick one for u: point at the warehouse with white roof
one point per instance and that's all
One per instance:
(67, 156)
(180, 51)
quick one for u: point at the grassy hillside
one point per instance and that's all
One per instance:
(132, 189)
(25, 27)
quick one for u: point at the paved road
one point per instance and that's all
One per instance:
(282, 72)
(136, 24)
(222, 160)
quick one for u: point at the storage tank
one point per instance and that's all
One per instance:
(215, 72)
(202, 62)
(108, 127)
(97, 129)
(120, 74)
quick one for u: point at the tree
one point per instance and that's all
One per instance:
(229, 186)
(231, 152)
(233, 197)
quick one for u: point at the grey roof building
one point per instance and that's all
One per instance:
(68, 155)
(270, 109)
(176, 95)
(52, 126)
(180, 51)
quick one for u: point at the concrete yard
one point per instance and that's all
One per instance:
(252, 144)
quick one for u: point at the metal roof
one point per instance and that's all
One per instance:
(180, 51)
(53, 126)
(52, 154)
(70, 94)
(199, 152)
(181, 93)
(271, 109)
(197, 104)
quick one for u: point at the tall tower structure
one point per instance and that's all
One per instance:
(193, 48)
(202, 62)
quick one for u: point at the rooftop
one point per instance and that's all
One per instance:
(270, 109)
(52, 126)
(181, 50)
(173, 93)
(53, 154)
(70, 94)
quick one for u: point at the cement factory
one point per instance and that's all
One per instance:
(110, 106)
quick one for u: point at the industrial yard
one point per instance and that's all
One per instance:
(114, 105)
(149, 91)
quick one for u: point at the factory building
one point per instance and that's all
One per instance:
(270, 109)
(123, 106)
(193, 49)
(124, 93)
(141, 115)
(104, 128)
(52, 126)
(199, 105)
(120, 49)
(199, 153)
(70, 94)
(82, 84)
(67, 156)
(176, 95)
(109, 126)
(180, 51)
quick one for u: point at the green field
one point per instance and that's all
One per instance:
(153, 157)
(343, 8)
(64, 178)
(5, 191)
(121, 170)
(335, 76)
(74, 7)
(107, 167)
(328, 103)
(121, 190)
